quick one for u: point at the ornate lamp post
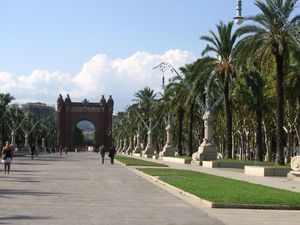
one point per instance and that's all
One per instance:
(287, 24)
(238, 19)
(168, 149)
(207, 150)
(138, 148)
(150, 149)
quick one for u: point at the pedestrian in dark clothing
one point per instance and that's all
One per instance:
(66, 150)
(112, 152)
(102, 153)
(60, 150)
(32, 151)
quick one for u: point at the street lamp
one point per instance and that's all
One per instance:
(287, 24)
(238, 19)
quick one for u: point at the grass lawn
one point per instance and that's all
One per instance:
(224, 190)
(129, 161)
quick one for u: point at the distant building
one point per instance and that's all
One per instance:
(15, 106)
(40, 109)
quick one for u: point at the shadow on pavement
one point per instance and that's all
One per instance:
(24, 171)
(5, 192)
(22, 217)
(27, 181)
(29, 163)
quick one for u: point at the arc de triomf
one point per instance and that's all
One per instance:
(70, 113)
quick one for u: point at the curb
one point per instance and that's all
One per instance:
(191, 199)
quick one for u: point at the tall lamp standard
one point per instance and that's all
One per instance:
(168, 149)
(239, 18)
(288, 25)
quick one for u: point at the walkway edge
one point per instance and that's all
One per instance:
(190, 198)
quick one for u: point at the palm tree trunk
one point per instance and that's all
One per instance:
(279, 110)
(191, 122)
(259, 133)
(228, 118)
(180, 114)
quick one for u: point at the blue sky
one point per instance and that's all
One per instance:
(92, 47)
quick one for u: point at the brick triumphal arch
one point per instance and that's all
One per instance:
(70, 113)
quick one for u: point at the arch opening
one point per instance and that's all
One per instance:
(84, 135)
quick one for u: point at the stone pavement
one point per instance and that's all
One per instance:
(77, 189)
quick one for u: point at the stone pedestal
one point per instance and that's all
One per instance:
(295, 165)
(294, 175)
(168, 149)
(206, 153)
(138, 148)
(149, 150)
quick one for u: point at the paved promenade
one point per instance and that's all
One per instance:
(77, 189)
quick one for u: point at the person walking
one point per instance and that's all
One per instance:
(7, 156)
(102, 153)
(112, 152)
(32, 151)
(60, 150)
(66, 150)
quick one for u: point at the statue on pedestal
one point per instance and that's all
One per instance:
(149, 150)
(138, 148)
(207, 150)
(168, 149)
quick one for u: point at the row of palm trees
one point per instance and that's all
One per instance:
(257, 72)
(14, 119)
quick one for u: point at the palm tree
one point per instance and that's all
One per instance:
(222, 44)
(270, 40)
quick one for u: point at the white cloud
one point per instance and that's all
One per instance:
(120, 77)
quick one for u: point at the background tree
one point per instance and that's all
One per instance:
(269, 39)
